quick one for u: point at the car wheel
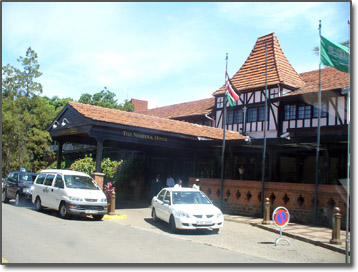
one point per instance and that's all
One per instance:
(38, 205)
(154, 215)
(17, 200)
(173, 228)
(4, 197)
(63, 211)
(97, 217)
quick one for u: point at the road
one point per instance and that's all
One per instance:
(29, 236)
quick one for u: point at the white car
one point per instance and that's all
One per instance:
(186, 208)
(69, 192)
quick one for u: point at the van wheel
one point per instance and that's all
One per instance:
(17, 200)
(97, 217)
(63, 211)
(38, 205)
(4, 197)
(173, 228)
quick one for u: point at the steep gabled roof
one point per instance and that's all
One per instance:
(252, 73)
(193, 108)
(134, 120)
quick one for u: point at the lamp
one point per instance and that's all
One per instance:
(54, 124)
(286, 135)
(247, 138)
(63, 122)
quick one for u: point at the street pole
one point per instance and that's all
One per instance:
(223, 144)
(318, 133)
(265, 132)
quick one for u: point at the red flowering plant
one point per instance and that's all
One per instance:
(108, 190)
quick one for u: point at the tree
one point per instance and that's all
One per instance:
(106, 99)
(24, 116)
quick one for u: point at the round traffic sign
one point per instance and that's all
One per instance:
(281, 217)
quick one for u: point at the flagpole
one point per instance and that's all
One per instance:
(348, 156)
(265, 132)
(223, 145)
(318, 132)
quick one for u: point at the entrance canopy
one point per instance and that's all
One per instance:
(93, 125)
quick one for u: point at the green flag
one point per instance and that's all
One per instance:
(335, 55)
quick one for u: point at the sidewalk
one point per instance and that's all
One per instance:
(319, 236)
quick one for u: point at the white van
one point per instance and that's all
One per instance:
(69, 192)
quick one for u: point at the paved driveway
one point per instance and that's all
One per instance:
(238, 237)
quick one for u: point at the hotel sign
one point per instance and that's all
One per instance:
(145, 136)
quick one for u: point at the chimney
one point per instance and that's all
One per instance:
(139, 105)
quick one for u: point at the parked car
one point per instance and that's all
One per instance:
(69, 192)
(18, 186)
(186, 208)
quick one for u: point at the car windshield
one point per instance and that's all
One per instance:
(27, 178)
(190, 198)
(80, 182)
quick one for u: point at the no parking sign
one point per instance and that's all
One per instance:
(281, 217)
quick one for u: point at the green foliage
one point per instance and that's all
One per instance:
(106, 99)
(24, 117)
(86, 165)
(110, 169)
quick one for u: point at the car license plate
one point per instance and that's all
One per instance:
(201, 222)
(91, 211)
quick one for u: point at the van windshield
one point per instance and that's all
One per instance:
(80, 182)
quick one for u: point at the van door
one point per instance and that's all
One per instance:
(57, 192)
(46, 191)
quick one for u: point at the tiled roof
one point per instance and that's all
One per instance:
(252, 73)
(149, 122)
(199, 107)
(331, 79)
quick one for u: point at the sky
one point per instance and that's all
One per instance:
(165, 53)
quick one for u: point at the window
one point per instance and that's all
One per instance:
(252, 114)
(323, 110)
(49, 179)
(40, 179)
(161, 195)
(220, 102)
(304, 111)
(238, 116)
(256, 114)
(229, 117)
(290, 112)
(59, 181)
(261, 113)
(167, 197)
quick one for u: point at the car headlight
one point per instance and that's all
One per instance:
(182, 214)
(219, 215)
(75, 198)
(103, 200)
(26, 190)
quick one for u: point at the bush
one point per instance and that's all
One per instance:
(86, 165)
